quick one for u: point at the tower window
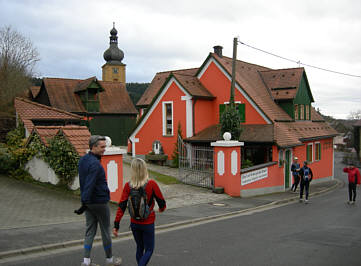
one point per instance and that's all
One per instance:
(115, 70)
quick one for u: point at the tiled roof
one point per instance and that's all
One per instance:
(250, 133)
(114, 99)
(78, 136)
(29, 110)
(158, 82)
(82, 86)
(284, 134)
(46, 132)
(290, 134)
(193, 86)
(283, 83)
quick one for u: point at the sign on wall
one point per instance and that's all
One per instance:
(254, 176)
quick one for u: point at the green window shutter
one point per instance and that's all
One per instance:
(242, 112)
(309, 153)
(222, 107)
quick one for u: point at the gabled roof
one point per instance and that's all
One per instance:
(158, 82)
(34, 90)
(248, 78)
(283, 83)
(83, 85)
(114, 99)
(78, 136)
(193, 86)
(29, 111)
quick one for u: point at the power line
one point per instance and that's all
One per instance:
(299, 62)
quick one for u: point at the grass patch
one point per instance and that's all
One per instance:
(164, 179)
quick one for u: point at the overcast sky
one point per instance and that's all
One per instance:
(159, 35)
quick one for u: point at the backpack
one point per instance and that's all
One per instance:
(137, 203)
(306, 173)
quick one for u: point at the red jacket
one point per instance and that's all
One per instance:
(153, 192)
(352, 174)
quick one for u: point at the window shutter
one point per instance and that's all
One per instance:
(222, 107)
(242, 112)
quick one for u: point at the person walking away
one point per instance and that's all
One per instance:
(306, 176)
(353, 181)
(142, 218)
(295, 169)
(95, 196)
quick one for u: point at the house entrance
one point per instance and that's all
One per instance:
(195, 165)
(287, 168)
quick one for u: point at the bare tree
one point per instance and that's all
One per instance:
(18, 58)
(355, 115)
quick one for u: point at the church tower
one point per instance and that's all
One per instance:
(113, 69)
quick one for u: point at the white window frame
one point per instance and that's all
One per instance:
(312, 150)
(164, 111)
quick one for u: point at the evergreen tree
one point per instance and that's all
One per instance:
(175, 155)
(231, 122)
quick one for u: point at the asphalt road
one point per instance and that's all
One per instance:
(325, 232)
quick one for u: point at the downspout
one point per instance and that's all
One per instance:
(193, 116)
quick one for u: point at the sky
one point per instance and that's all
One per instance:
(160, 35)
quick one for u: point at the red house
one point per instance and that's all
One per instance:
(277, 117)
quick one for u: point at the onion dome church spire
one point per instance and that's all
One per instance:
(113, 69)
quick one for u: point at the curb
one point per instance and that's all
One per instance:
(73, 243)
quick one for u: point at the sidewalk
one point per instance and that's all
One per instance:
(34, 218)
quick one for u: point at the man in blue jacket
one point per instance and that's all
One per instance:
(95, 196)
(306, 178)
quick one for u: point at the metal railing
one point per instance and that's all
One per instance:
(196, 165)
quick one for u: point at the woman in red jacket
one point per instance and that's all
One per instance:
(353, 180)
(143, 229)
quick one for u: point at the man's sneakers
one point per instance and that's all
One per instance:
(351, 202)
(306, 201)
(115, 262)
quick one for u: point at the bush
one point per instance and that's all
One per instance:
(63, 159)
(247, 163)
(7, 161)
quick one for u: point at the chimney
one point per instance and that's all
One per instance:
(218, 50)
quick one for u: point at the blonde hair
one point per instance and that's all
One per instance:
(139, 173)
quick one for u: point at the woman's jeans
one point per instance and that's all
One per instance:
(144, 238)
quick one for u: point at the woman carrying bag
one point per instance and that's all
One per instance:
(139, 194)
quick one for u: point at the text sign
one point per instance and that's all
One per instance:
(254, 176)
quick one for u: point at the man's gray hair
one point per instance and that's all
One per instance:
(93, 141)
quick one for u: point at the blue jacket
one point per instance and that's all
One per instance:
(93, 184)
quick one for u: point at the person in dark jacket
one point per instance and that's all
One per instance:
(353, 181)
(306, 176)
(95, 196)
(143, 229)
(295, 169)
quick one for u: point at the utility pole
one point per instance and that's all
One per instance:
(235, 42)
